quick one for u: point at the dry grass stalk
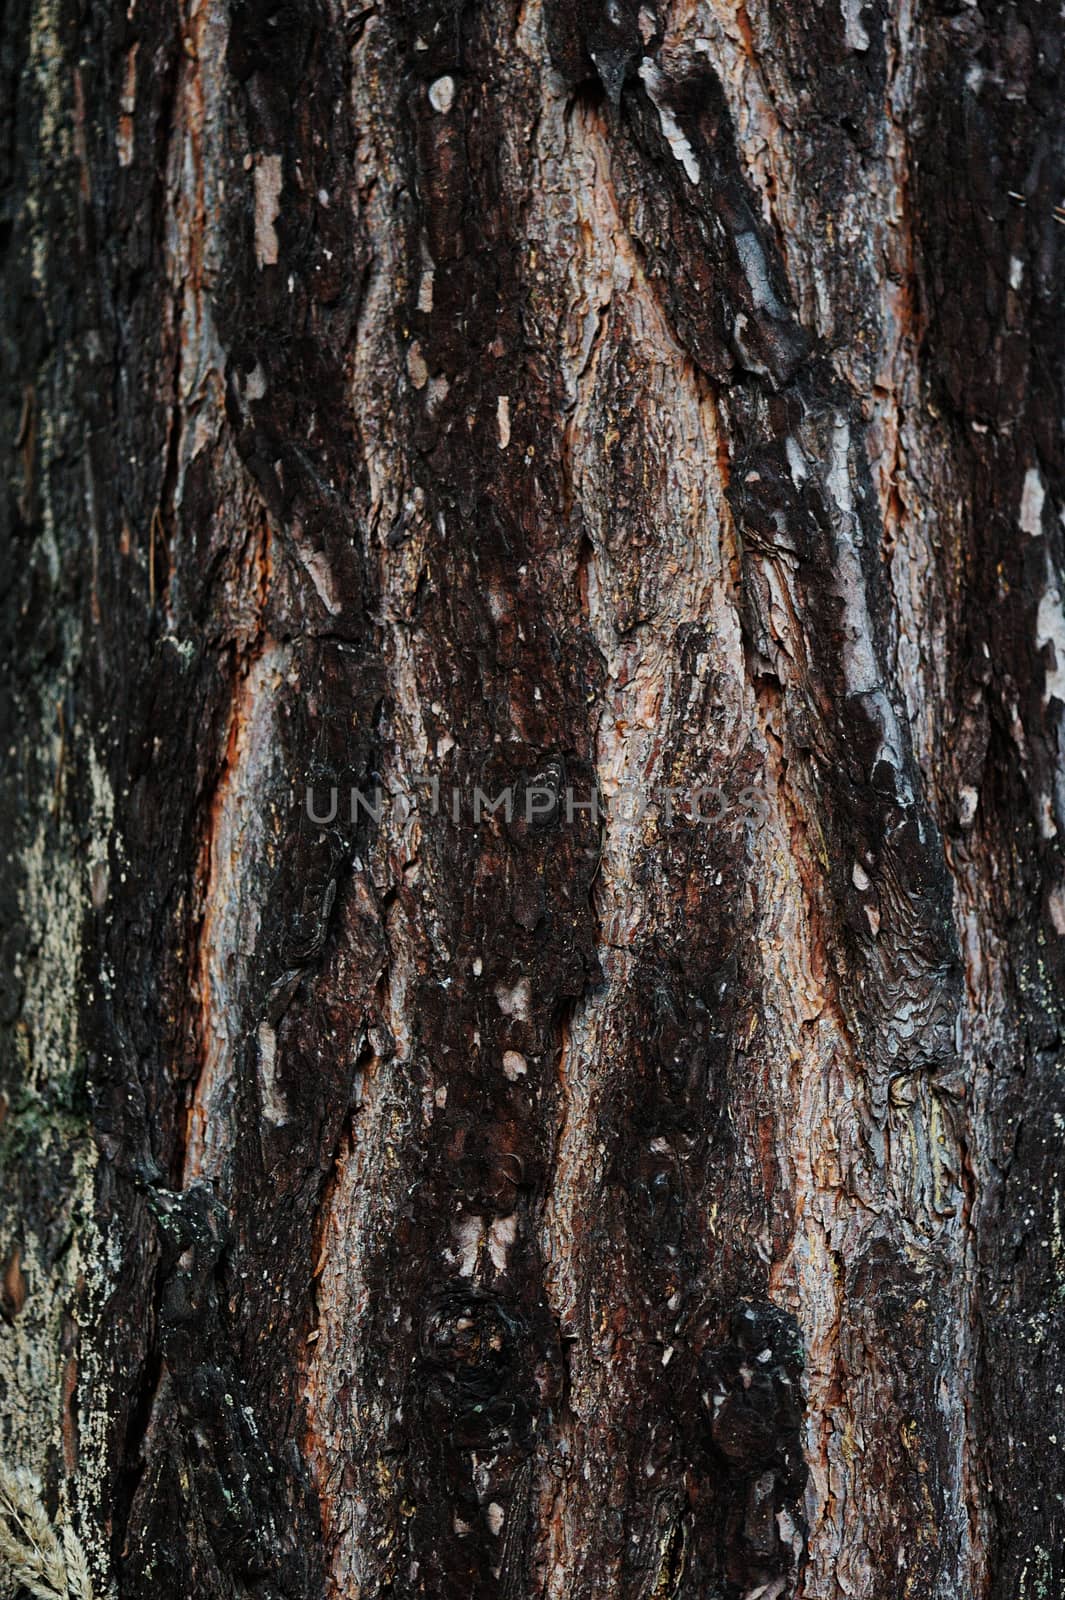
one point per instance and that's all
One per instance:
(33, 1555)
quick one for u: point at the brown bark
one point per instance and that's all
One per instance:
(560, 400)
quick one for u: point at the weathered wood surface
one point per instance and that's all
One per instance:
(566, 396)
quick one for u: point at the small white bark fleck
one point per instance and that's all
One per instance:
(273, 1103)
(756, 271)
(514, 1065)
(501, 1236)
(654, 82)
(127, 105)
(417, 371)
(255, 384)
(968, 800)
(1057, 908)
(854, 29)
(267, 209)
(1050, 629)
(515, 1002)
(321, 576)
(468, 1235)
(796, 460)
(438, 391)
(1033, 496)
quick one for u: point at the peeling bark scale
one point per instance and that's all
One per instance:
(588, 402)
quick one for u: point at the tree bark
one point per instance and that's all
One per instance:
(654, 407)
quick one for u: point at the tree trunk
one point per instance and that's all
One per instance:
(534, 892)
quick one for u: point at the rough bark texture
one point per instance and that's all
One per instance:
(560, 395)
